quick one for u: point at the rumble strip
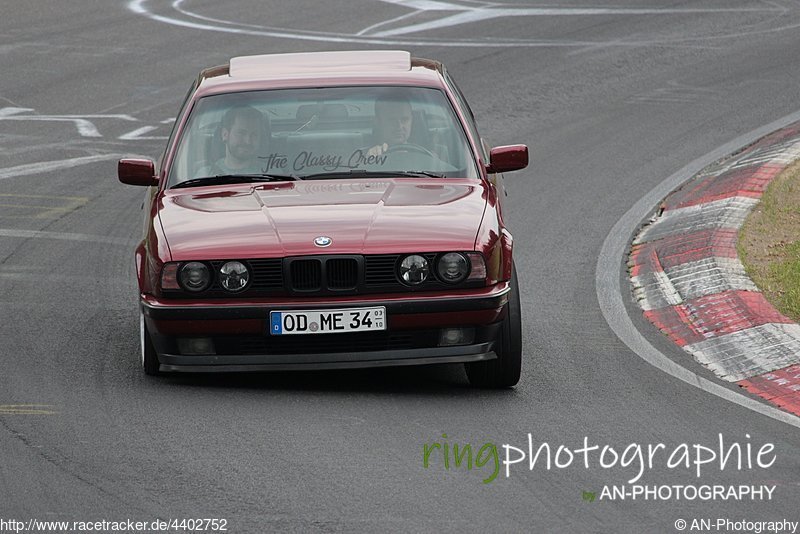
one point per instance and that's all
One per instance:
(689, 282)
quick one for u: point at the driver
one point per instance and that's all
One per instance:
(393, 121)
(243, 128)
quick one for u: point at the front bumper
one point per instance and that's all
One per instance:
(239, 331)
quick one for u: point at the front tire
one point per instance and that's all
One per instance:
(503, 372)
(149, 358)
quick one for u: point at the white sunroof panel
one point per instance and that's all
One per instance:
(320, 62)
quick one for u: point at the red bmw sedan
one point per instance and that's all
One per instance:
(327, 210)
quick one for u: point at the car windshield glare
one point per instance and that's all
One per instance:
(340, 132)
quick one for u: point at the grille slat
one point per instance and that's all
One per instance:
(306, 275)
(323, 273)
(342, 273)
(380, 270)
(267, 274)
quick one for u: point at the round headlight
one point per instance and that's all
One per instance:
(414, 269)
(452, 267)
(233, 276)
(195, 276)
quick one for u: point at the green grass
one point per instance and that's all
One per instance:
(769, 243)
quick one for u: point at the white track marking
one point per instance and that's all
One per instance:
(610, 266)
(66, 236)
(419, 6)
(10, 111)
(49, 166)
(138, 134)
(85, 127)
(472, 12)
(74, 280)
(428, 5)
(369, 29)
(485, 13)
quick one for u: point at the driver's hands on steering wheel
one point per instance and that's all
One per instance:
(377, 150)
(385, 148)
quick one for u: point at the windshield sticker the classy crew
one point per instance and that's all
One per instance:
(327, 162)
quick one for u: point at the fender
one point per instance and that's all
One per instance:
(494, 241)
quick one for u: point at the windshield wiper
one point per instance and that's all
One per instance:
(371, 174)
(236, 179)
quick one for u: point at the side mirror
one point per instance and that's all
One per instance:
(137, 172)
(507, 158)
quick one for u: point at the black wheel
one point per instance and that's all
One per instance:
(410, 147)
(504, 371)
(149, 357)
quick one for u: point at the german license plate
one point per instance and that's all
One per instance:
(327, 321)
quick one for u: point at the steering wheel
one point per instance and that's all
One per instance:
(410, 147)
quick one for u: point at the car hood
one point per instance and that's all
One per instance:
(360, 216)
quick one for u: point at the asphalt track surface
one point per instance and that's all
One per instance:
(611, 102)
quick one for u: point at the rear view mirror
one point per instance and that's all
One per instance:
(507, 158)
(137, 172)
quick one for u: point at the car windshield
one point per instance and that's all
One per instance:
(323, 133)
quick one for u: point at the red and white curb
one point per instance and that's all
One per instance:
(688, 279)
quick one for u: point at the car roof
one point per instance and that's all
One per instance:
(319, 69)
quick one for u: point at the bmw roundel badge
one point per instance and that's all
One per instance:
(323, 241)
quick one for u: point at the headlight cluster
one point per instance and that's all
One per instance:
(450, 268)
(233, 276)
(414, 269)
(195, 276)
